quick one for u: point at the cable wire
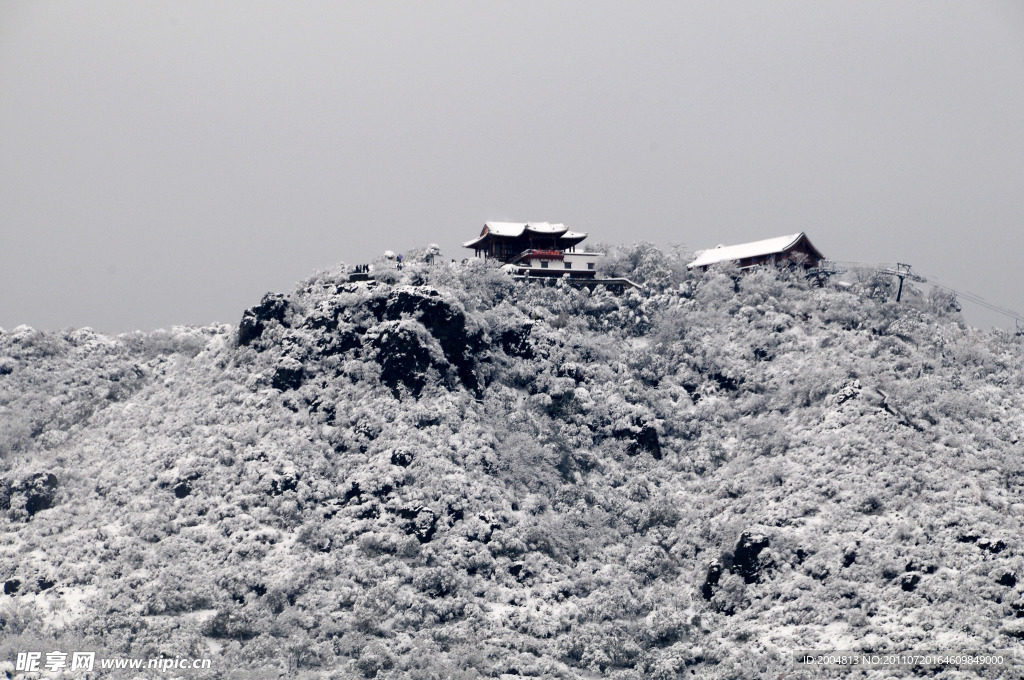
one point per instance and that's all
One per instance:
(882, 267)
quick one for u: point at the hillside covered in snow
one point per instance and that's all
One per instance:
(449, 473)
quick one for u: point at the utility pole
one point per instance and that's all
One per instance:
(902, 271)
(900, 268)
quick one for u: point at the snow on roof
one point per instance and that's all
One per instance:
(573, 235)
(545, 228)
(516, 229)
(511, 229)
(504, 228)
(744, 250)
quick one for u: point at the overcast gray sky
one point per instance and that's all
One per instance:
(167, 163)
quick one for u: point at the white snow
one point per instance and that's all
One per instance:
(744, 250)
(516, 229)
(545, 228)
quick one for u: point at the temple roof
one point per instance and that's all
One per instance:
(742, 251)
(518, 229)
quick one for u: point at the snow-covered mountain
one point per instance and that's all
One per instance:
(448, 473)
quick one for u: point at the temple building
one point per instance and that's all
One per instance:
(796, 249)
(535, 249)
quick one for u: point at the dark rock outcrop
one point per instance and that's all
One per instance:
(643, 438)
(444, 321)
(403, 356)
(401, 330)
(711, 580)
(909, 582)
(273, 307)
(745, 562)
(515, 341)
(39, 492)
(288, 377)
(647, 440)
(402, 457)
(419, 522)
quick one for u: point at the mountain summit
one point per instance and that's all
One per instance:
(444, 472)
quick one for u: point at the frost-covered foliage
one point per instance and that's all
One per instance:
(447, 473)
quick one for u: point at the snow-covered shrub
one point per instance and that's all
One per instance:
(643, 263)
